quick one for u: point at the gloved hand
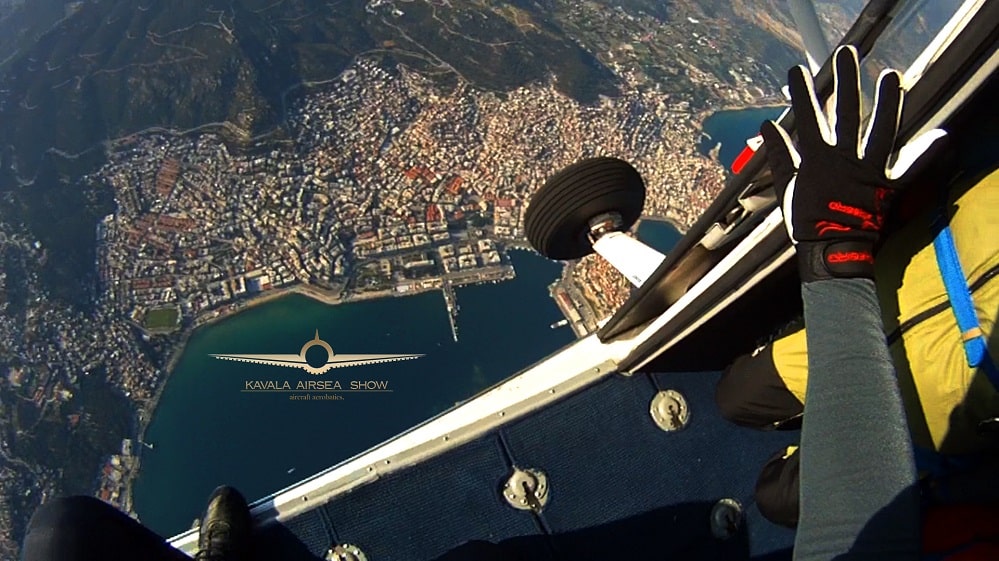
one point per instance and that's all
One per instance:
(834, 193)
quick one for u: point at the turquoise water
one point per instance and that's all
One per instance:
(732, 128)
(658, 234)
(207, 432)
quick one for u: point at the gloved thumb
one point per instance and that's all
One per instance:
(781, 155)
(926, 158)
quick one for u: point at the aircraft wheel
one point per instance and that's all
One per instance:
(558, 218)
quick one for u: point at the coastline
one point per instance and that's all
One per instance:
(767, 104)
(728, 153)
(676, 224)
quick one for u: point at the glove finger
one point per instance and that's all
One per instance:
(812, 126)
(846, 113)
(787, 209)
(880, 136)
(924, 157)
(781, 155)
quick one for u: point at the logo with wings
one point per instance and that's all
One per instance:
(333, 360)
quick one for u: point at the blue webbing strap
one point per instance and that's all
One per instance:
(975, 347)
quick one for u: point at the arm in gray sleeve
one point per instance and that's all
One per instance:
(858, 477)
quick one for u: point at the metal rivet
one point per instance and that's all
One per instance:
(726, 519)
(669, 410)
(526, 489)
(345, 552)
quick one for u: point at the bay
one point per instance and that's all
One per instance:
(732, 128)
(207, 432)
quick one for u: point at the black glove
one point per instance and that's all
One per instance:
(834, 194)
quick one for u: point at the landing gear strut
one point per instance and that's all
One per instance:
(588, 207)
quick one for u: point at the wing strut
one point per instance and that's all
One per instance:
(817, 48)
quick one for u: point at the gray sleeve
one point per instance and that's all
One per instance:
(858, 477)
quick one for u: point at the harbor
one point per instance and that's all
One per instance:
(203, 396)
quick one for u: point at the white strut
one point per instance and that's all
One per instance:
(632, 258)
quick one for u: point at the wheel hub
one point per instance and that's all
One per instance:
(604, 224)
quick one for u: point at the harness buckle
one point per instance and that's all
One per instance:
(972, 334)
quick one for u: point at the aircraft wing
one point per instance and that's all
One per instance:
(298, 361)
(294, 361)
(339, 361)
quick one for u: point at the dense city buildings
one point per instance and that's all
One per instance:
(390, 186)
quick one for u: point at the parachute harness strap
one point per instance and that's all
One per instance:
(975, 347)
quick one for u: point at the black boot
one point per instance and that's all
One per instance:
(225, 527)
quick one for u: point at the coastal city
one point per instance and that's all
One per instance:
(390, 187)
(383, 184)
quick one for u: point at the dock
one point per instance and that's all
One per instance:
(452, 306)
(449, 281)
(581, 324)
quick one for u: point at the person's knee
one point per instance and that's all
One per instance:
(64, 525)
(66, 511)
(738, 392)
(730, 392)
(777, 489)
(751, 392)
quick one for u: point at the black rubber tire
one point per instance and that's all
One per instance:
(558, 217)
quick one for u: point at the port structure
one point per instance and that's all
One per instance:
(452, 306)
(589, 207)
